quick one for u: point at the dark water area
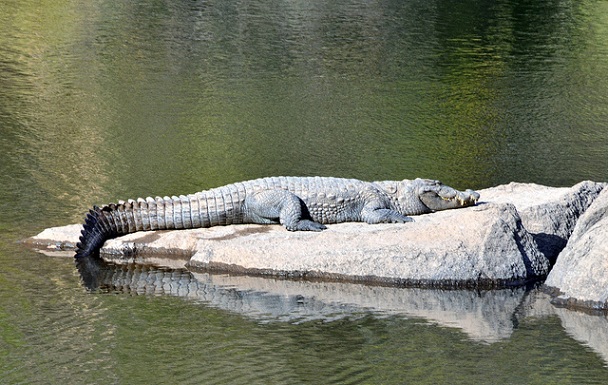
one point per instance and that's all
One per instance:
(103, 100)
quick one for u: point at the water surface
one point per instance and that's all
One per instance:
(107, 100)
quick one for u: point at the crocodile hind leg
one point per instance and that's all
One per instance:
(280, 206)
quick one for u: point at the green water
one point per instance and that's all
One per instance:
(103, 100)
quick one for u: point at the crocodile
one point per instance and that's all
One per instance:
(297, 203)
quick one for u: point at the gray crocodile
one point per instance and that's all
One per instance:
(298, 203)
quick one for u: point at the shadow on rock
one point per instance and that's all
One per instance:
(550, 245)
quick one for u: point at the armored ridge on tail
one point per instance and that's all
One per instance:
(96, 230)
(298, 203)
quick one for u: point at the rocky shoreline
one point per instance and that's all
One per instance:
(517, 233)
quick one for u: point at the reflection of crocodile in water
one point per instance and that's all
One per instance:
(484, 315)
(298, 203)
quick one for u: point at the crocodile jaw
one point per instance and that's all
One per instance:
(444, 199)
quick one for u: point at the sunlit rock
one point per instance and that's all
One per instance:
(548, 213)
(581, 272)
(484, 244)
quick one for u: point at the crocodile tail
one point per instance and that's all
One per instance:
(97, 228)
(113, 220)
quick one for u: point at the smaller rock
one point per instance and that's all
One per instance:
(581, 273)
(56, 240)
(550, 220)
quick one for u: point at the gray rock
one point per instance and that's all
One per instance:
(551, 220)
(56, 241)
(480, 245)
(581, 273)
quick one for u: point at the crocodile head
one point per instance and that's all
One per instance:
(437, 196)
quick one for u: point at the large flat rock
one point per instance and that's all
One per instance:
(488, 244)
(481, 245)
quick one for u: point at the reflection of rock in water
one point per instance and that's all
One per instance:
(484, 315)
(591, 330)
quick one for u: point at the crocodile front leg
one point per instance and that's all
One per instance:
(383, 215)
(280, 206)
(377, 208)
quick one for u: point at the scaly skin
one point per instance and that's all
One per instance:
(298, 203)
